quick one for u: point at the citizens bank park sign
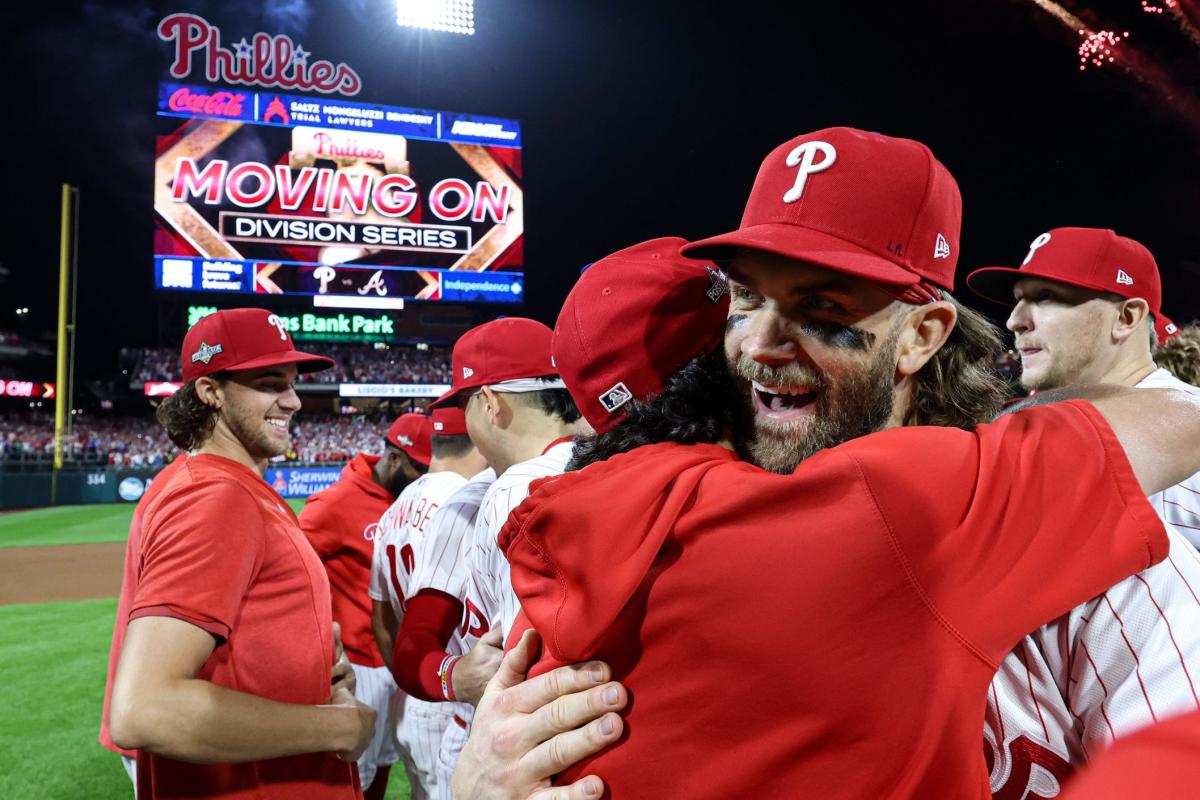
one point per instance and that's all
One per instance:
(265, 191)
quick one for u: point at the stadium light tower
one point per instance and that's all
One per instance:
(449, 16)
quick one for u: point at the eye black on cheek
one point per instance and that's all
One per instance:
(734, 321)
(846, 337)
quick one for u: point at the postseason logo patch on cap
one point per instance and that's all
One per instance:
(616, 397)
(206, 352)
(404, 440)
(718, 284)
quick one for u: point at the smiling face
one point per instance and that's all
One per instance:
(256, 406)
(1062, 333)
(814, 352)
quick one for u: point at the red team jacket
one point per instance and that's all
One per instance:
(829, 633)
(340, 523)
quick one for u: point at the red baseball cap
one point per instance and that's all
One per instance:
(449, 421)
(634, 319)
(413, 433)
(242, 338)
(861, 203)
(501, 350)
(1091, 258)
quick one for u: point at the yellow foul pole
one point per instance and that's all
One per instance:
(60, 386)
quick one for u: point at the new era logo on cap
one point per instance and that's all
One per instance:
(1123, 278)
(941, 248)
(467, 372)
(615, 397)
(206, 352)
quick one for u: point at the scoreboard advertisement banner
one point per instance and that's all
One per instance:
(263, 191)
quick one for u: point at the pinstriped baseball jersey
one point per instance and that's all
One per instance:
(419, 724)
(441, 564)
(441, 555)
(400, 528)
(490, 590)
(1179, 505)
(1115, 664)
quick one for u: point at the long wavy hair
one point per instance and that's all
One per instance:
(697, 406)
(185, 417)
(959, 387)
(1180, 355)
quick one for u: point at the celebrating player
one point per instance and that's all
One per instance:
(340, 524)
(223, 683)
(840, 324)
(419, 725)
(523, 421)
(432, 661)
(1088, 310)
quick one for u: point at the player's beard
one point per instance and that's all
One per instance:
(398, 483)
(252, 430)
(852, 401)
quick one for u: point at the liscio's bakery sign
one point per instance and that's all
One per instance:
(272, 61)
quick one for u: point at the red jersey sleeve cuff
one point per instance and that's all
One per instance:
(218, 629)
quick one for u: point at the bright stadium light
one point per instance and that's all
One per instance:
(449, 16)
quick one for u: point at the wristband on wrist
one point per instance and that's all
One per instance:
(445, 671)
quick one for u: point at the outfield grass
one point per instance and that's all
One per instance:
(54, 657)
(65, 525)
(41, 527)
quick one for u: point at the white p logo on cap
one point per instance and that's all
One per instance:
(1041, 241)
(280, 325)
(804, 157)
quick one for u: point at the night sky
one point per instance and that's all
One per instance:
(639, 119)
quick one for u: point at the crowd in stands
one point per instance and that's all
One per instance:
(140, 441)
(357, 363)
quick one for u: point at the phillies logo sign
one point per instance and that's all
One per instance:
(270, 61)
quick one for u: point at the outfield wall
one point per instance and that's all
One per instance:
(128, 484)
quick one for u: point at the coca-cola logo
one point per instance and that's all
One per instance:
(217, 104)
(266, 60)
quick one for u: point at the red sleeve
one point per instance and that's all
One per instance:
(430, 617)
(319, 521)
(200, 553)
(1009, 526)
(1159, 761)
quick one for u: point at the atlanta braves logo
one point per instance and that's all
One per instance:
(805, 157)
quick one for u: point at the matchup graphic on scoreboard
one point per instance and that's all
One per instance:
(258, 192)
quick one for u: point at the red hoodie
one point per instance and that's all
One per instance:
(340, 523)
(830, 633)
(1160, 762)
